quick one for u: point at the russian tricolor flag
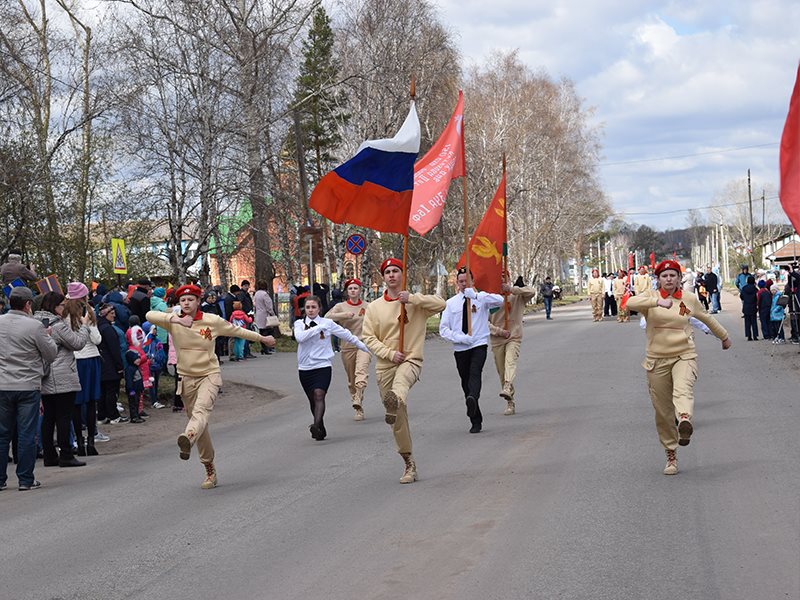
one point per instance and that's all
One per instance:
(373, 189)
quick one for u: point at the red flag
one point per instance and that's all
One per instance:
(486, 245)
(631, 264)
(434, 171)
(652, 260)
(790, 159)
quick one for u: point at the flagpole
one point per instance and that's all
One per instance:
(466, 235)
(506, 303)
(403, 317)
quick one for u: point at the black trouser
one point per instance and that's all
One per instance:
(609, 306)
(109, 394)
(470, 369)
(751, 326)
(91, 422)
(766, 328)
(57, 415)
(268, 331)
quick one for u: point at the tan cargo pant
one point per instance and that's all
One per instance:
(671, 383)
(356, 365)
(399, 379)
(505, 360)
(623, 316)
(198, 395)
(597, 306)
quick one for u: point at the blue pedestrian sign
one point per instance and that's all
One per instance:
(356, 244)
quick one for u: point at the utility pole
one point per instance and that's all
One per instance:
(750, 198)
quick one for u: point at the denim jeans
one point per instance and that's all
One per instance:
(715, 305)
(548, 305)
(22, 408)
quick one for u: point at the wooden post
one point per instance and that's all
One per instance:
(405, 282)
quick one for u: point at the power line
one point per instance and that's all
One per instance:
(724, 150)
(680, 210)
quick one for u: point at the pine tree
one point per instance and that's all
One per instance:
(322, 109)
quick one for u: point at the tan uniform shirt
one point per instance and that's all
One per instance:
(595, 286)
(349, 316)
(195, 344)
(642, 284)
(381, 332)
(619, 287)
(517, 299)
(669, 333)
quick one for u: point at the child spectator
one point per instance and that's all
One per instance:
(239, 319)
(154, 350)
(138, 373)
(776, 316)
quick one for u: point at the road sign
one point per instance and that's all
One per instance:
(118, 256)
(356, 244)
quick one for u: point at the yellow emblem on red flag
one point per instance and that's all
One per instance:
(487, 243)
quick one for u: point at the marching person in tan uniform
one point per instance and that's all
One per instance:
(506, 342)
(397, 371)
(642, 282)
(350, 315)
(194, 333)
(620, 286)
(671, 360)
(595, 289)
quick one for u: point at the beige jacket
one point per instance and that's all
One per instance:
(517, 299)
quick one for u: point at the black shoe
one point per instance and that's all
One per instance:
(31, 486)
(314, 432)
(136, 420)
(476, 428)
(472, 408)
(50, 461)
(143, 415)
(70, 462)
(81, 451)
(91, 451)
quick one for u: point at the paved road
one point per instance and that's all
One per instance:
(564, 500)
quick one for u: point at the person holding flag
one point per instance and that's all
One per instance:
(620, 287)
(470, 340)
(350, 315)
(505, 326)
(395, 316)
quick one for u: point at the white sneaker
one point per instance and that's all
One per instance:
(120, 409)
(119, 420)
(101, 437)
(159, 405)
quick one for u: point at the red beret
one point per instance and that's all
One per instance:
(667, 265)
(189, 290)
(391, 262)
(353, 280)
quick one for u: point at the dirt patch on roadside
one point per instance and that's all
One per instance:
(236, 404)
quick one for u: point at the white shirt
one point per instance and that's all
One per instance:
(608, 286)
(450, 325)
(314, 350)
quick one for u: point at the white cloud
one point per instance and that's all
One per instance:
(668, 78)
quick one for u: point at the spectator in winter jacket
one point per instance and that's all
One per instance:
(113, 367)
(121, 312)
(139, 300)
(26, 352)
(764, 301)
(61, 383)
(748, 294)
(239, 319)
(776, 316)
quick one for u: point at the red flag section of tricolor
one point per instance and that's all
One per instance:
(373, 189)
(790, 159)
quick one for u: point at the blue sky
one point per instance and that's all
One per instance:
(666, 78)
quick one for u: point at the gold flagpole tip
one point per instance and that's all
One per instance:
(413, 87)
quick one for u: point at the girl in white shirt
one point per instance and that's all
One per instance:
(314, 357)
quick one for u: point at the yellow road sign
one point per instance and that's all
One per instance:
(118, 256)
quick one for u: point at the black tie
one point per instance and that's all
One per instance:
(465, 316)
(310, 325)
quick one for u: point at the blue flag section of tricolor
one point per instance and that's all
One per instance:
(374, 188)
